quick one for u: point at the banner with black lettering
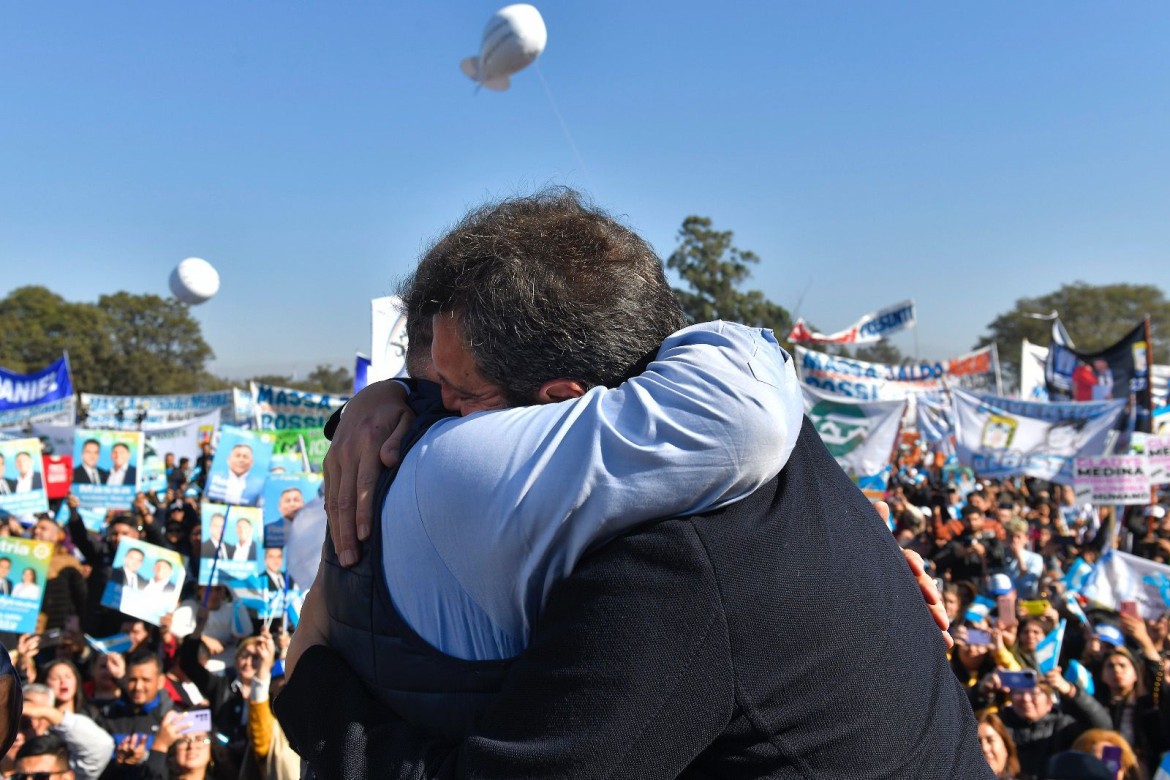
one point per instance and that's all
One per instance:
(872, 327)
(1112, 479)
(280, 408)
(1006, 437)
(1121, 371)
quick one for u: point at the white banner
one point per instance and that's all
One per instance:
(866, 381)
(1032, 360)
(143, 412)
(62, 412)
(1118, 479)
(1158, 451)
(1121, 577)
(872, 327)
(1006, 437)
(859, 434)
(387, 339)
(183, 439)
(279, 408)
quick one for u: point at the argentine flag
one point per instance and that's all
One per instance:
(1163, 772)
(1048, 651)
(1078, 574)
(1080, 677)
(118, 643)
(979, 609)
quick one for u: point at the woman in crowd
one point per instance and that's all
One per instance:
(1134, 712)
(1094, 741)
(975, 664)
(64, 679)
(1029, 636)
(178, 756)
(998, 747)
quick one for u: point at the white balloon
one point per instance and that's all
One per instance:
(194, 281)
(512, 40)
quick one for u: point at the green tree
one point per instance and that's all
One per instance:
(125, 344)
(322, 379)
(714, 269)
(1095, 317)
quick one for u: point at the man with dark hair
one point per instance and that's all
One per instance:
(127, 574)
(27, 480)
(6, 485)
(89, 747)
(87, 472)
(711, 644)
(122, 472)
(134, 718)
(5, 583)
(45, 755)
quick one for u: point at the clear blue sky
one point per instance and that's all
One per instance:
(961, 154)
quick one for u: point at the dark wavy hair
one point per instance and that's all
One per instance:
(546, 287)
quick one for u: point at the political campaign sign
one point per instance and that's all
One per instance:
(183, 439)
(387, 339)
(24, 569)
(284, 497)
(872, 327)
(106, 467)
(94, 520)
(1006, 437)
(860, 435)
(1112, 479)
(22, 391)
(240, 466)
(279, 408)
(866, 381)
(58, 473)
(232, 543)
(309, 443)
(22, 479)
(145, 580)
(270, 592)
(936, 426)
(154, 411)
(1121, 371)
(1158, 452)
(63, 412)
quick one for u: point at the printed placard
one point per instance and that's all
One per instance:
(232, 543)
(1112, 479)
(309, 443)
(24, 568)
(240, 466)
(106, 467)
(22, 479)
(284, 496)
(1158, 451)
(145, 580)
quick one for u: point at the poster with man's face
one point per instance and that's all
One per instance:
(232, 543)
(145, 580)
(22, 479)
(284, 497)
(240, 466)
(107, 467)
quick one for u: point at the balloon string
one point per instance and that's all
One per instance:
(564, 127)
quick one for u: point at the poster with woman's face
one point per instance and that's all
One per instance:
(24, 568)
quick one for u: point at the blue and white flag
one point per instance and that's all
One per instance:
(1074, 608)
(1163, 772)
(860, 435)
(118, 643)
(1048, 651)
(936, 424)
(978, 610)
(1078, 574)
(1081, 677)
(1121, 577)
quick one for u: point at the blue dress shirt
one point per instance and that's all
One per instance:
(488, 511)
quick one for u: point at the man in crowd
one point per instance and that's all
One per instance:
(88, 473)
(134, 718)
(45, 756)
(89, 746)
(975, 553)
(657, 657)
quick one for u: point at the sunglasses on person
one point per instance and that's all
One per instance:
(35, 775)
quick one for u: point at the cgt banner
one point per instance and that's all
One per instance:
(860, 435)
(872, 327)
(863, 381)
(157, 411)
(1006, 437)
(281, 408)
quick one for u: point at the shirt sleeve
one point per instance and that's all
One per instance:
(712, 418)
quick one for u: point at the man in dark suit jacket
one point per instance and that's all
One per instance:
(120, 459)
(87, 472)
(216, 544)
(5, 583)
(24, 465)
(127, 574)
(779, 637)
(6, 485)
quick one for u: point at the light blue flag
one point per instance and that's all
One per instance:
(1048, 651)
(1163, 772)
(118, 643)
(1079, 676)
(979, 609)
(1074, 608)
(1078, 574)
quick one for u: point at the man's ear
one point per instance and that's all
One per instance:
(558, 390)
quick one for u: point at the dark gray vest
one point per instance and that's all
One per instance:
(429, 689)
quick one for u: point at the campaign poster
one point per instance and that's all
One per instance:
(271, 591)
(280, 408)
(240, 466)
(94, 520)
(147, 412)
(29, 394)
(182, 439)
(309, 443)
(22, 479)
(24, 568)
(284, 497)
(286, 463)
(1158, 452)
(860, 435)
(1112, 479)
(232, 543)
(106, 467)
(145, 580)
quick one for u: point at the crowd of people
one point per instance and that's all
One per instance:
(1009, 556)
(107, 695)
